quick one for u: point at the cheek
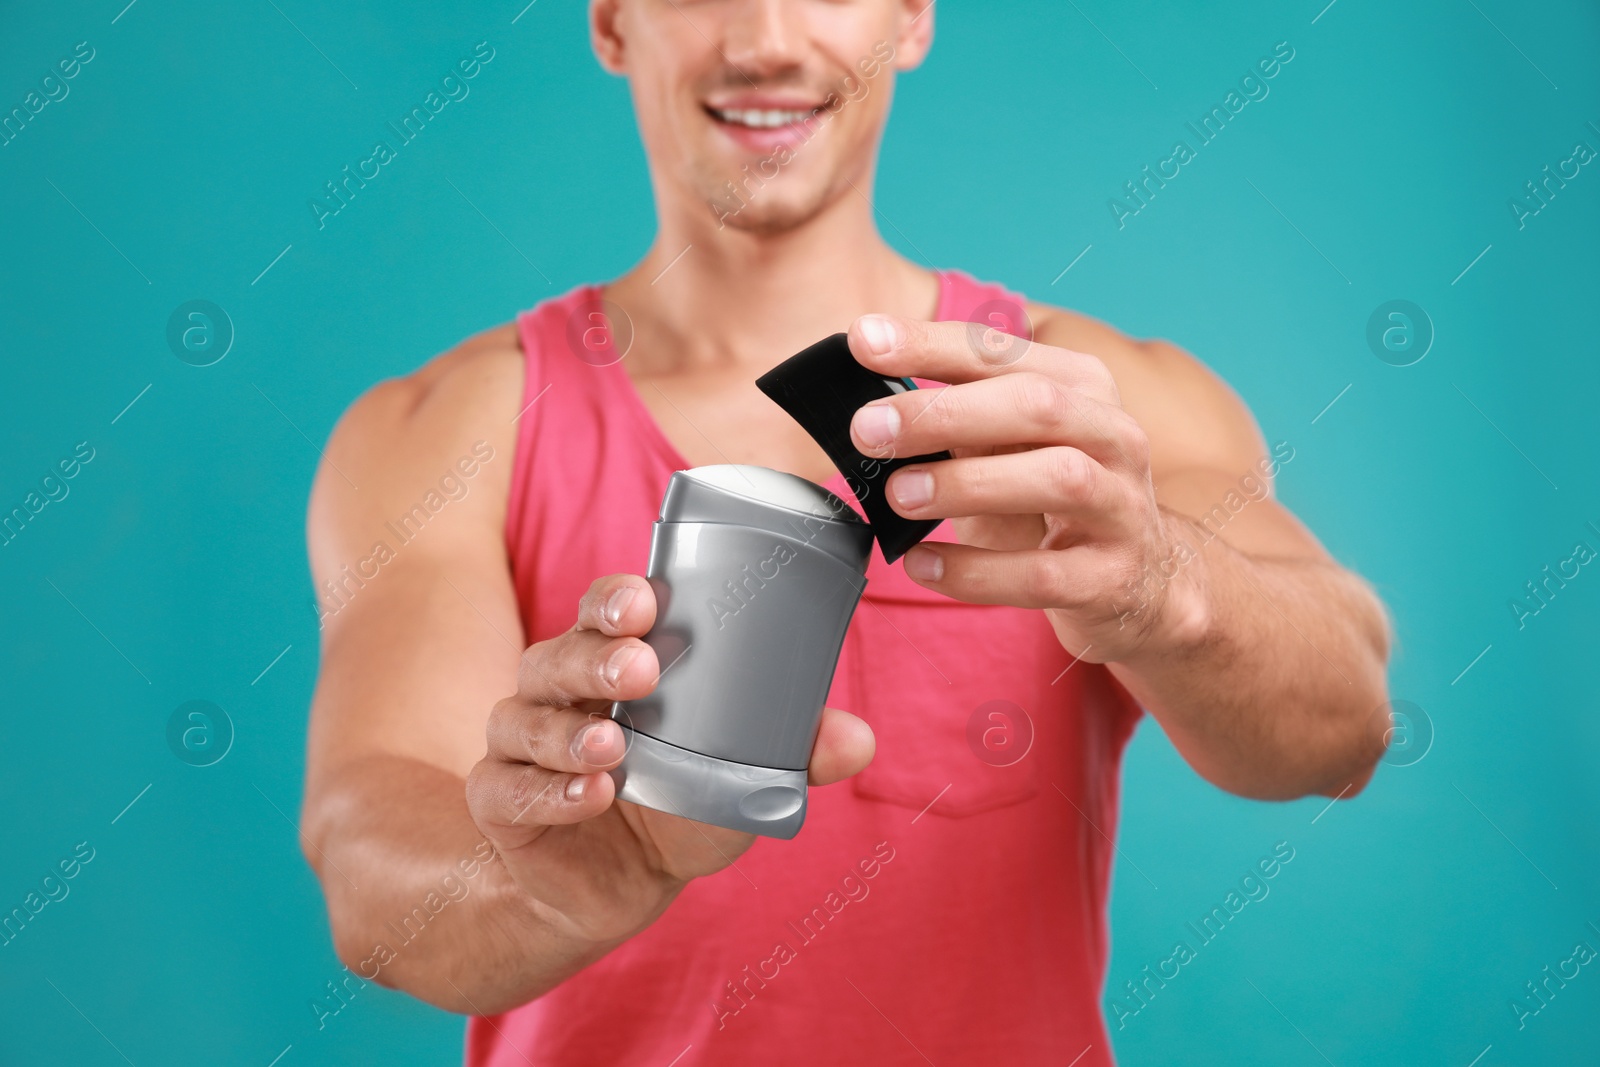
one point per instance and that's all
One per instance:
(667, 77)
(845, 34)
(865, 115)
(666, 118)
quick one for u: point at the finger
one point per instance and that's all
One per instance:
(555, 738)
(1017, 409)
(584, 665)
(967, 352)
(845, 745)
(513, 801)
(1070, 578)
(618, 605)
(1056, 481)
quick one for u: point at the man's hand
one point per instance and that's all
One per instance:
(602, 867)
(1050, 487)
(1262, 657)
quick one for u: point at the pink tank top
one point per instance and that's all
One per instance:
(947, 904)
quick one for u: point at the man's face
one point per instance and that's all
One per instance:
(763, 110)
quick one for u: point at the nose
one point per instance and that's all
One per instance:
(763, 38)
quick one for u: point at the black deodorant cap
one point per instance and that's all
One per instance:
(821, 388)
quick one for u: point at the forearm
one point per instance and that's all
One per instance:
(1274, 689)
(419, 901)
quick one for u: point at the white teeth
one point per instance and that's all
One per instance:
(763, 120)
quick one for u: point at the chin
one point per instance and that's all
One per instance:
(745, 203)
(758, 218)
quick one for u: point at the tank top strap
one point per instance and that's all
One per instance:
(583, 448)
(542, 331)
(965, 299)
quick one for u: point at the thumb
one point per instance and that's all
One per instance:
(845, 745)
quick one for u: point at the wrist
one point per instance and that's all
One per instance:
(1182, 614)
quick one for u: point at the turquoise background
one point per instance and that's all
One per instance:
(1378, 168)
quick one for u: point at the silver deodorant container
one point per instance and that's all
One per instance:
(756, 574)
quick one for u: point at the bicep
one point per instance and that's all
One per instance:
(413, 663)
(1208, 459)
(421, 632)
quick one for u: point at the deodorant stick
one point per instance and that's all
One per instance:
(756, 575)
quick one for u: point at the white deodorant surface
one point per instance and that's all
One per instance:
(768, 486)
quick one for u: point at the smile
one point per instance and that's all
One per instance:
(761, 119)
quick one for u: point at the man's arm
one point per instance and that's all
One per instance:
(1126, 494)
(1282, 694)
(416, 649)
(458, 812)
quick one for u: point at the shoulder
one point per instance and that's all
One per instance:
(478, 377)
(1192, 417)
(405, 436)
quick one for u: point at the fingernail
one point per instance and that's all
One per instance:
(911, 488)
(924, 564)
(576, 787)
(616, 604)
(881, 333)
(618, 662)
(876, 425)
(589, 743)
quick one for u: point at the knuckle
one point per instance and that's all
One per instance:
(1067, 474)
(1056, 584)
(1107, 384)
(1092, 372)
(1130, 438)
(530, 666)
(960, 481)
(527, 786)
(477, 785)
(538, 732)
(1002, 338)
(481, 805)
(1138, 447)
(1044, 405)
(923, 338)
(504, 710)
(914, 335)
(501, 725)
(1095, 370)
(548, 677)
(941, 412)
(981, 575)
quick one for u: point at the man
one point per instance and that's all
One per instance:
(1112, 546)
